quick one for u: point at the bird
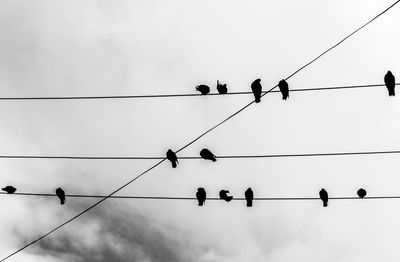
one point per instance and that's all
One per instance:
(284, 88)
(61, 195)
(390, 83)
(222, 89)
(201, 196)
(361, 193)
(324, 197)
(207, 154)
(171, 156)
(9, 189)
(203, 89)
(249, 197)
(223, 195)
(257, 89)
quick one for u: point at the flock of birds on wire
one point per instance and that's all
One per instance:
(256, 87)
(206, 154)
(201, 195)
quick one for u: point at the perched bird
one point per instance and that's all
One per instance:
(223, 195)
(257, 89)
(222, 89)
(249, 197)
(207, 154)
(171, 156)
(203, 89)
(201, 196)
(390, 83)
(324, 197)
(9, 189)
(61, 195)
(284, 88)
(361, 193)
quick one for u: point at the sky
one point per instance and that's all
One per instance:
(120, 47)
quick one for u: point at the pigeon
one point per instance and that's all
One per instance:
(390, 83)
(361, 193)
(201, 196)
(249, 197)
(284, 88)
(206, 154)
(223, 195)
(222, 89)
(203, 89)
(324, 197)
(9, 189)
(171, 156)
(61, 195)
(257, 89)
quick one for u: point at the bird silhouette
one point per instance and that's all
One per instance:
(223, 195)
(222, 89)
(249, 197)
(9, 189)
(284, 88)
(171, 156)
(390, 83)
(201, 196)
(324, 197)
(207, 154)
(361, 193)
(257, 89)
(61, 195)
(203, 89)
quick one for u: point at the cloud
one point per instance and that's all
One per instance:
(111, 233)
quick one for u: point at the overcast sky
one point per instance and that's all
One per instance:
(121, 47)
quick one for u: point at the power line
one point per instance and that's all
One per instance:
(84, 211)
(193, 198)
(184, 95)
(197, 138)
(198, 157)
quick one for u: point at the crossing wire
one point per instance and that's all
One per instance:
(197, 138)
(186, 95)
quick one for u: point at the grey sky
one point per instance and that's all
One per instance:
(149, 47)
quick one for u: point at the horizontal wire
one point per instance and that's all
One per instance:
(198, 157)
(184, 95)
(193, 198)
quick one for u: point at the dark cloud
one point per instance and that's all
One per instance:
(121, 236)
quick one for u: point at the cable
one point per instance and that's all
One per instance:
(197, 138)
(193, 198)
(198, 157)
(344, 39)
(183, 95)
(84, 211)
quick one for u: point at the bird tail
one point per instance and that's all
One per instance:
(391, 93)
(62, 201)
(174, 164)
(258, 100)
(325, 203)
(214, 159)
(249, 203)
